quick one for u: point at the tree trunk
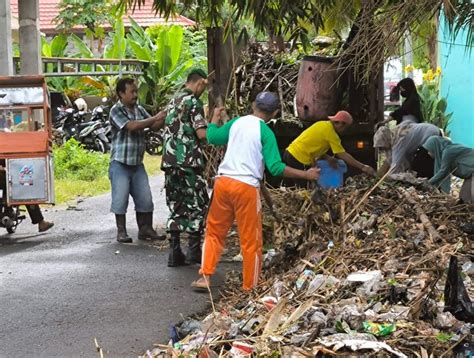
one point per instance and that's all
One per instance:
(433, 44)
(221, 63)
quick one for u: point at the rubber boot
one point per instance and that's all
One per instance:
(122, 230)
(194, 253)
(176, 256)
(145, 227)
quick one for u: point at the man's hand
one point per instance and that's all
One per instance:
(158, 121)
(312, 174)
(368, 170)
(217, 115)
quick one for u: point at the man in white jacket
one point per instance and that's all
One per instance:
(251, 145)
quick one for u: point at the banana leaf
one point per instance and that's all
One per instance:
(84, 50)
(58, 45)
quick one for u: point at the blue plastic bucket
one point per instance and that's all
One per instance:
(329, 176)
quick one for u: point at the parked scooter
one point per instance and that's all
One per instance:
(154, 142)
(70, 124)
(101, 113)
(92, 136)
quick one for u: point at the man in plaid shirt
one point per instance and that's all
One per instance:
(126, 171)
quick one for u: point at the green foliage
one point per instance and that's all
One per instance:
(73, 161)
(291, 19)
(163, 47)
(392, 282)
(90, 14)
(444, 337)
(56, 47)
(117, 47)
(433, 106)
(194, 44)
(169, 52)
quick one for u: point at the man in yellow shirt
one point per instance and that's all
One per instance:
(314, 143)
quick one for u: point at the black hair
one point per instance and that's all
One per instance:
(408, 84)
(412, 104)
(193, 77)
(122, 83)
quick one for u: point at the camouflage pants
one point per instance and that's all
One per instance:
(187, 200)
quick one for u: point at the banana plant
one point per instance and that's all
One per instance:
(167, 67)
(433, 106)
(57, 48)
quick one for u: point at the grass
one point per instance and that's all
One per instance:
(69, 188)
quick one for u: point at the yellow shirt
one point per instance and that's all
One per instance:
(314, 142)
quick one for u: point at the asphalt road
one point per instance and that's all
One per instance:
(62, 289)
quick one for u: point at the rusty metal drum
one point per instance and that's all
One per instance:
(316, 88)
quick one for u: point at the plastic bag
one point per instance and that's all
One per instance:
(379, 329)
(456, 299)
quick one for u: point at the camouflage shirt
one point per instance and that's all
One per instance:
(181, 145)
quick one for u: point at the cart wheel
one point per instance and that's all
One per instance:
(11, 230)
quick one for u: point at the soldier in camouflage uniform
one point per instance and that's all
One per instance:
(183, 165)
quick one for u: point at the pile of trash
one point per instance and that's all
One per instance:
(261, 70)
(376, 268)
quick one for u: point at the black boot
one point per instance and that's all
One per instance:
(145, 227)
(194, 253)
(122, 230)
(176, 256)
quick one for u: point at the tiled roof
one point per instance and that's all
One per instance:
(145, 16)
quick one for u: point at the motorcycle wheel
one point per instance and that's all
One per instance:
(100, 146)
(154, 150)
(154, 144)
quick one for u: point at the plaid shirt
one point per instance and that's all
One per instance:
(127, 147)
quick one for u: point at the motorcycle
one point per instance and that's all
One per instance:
(154, 142)
(100, 113)
(92, 134)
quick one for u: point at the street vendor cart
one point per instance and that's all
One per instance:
(26, 161)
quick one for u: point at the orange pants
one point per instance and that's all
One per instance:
(233, 199)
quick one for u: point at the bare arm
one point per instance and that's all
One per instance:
(160, 121)
(133, 126)
(350, 160)
(310, 174)
(216, 119)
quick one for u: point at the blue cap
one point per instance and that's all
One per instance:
(267, 101)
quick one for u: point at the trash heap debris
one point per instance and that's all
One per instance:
(259, 70)
(363, 270)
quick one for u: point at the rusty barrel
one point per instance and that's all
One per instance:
(316, 88)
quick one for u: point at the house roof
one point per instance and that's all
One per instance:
(144, 16)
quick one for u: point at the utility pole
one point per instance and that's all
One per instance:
(6, 52)
(30, 49)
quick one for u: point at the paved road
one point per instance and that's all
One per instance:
(61, 289)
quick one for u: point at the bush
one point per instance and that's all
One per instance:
(72, 161)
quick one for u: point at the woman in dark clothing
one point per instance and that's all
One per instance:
(410, 110)
(411, 107)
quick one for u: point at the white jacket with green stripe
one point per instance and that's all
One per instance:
(251, 144)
